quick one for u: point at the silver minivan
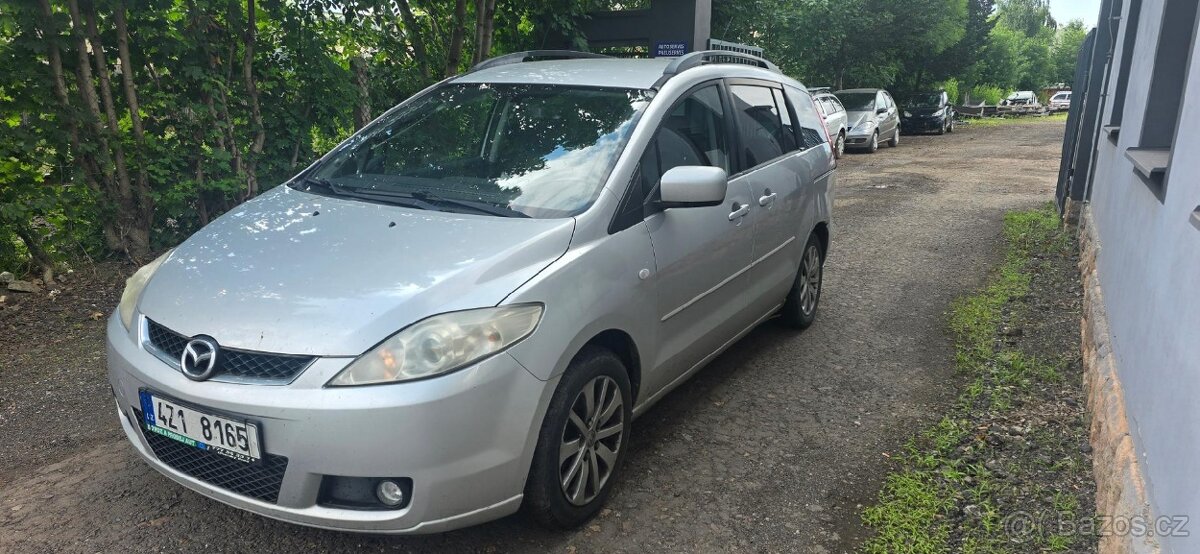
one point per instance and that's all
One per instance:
(460, 309)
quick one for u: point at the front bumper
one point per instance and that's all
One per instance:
(860, 137)
(922, 125)
(465, 439)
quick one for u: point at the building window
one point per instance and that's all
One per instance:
(1151, 158)
(1128, 42)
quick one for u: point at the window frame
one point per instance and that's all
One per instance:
(742, 168)
(633, 207)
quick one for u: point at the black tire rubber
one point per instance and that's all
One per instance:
(791, 314)
(950, 128)
(942, 130)
(873, 146)
(544, 499)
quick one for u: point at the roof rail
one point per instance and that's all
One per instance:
(703, 57)
(532, 55)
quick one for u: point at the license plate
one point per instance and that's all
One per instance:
(200, 429)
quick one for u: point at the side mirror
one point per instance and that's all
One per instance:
(881, 111)
(693, 185)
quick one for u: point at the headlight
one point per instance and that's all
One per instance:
(906, 114)
(866, 124)
(133, 288)
(441, 344)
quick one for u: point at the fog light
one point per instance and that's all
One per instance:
(389, 492)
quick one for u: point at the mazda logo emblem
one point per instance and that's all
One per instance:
(199, 359)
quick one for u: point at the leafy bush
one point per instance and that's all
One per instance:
(951, 88)
(988, 94)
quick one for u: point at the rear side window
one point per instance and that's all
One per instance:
(812, 129)
(759, 123)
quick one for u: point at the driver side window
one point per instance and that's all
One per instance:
(693, 133)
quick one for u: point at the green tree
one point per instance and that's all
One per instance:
(1067, 43)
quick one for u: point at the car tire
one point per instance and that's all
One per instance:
(873, 147)
(839, 145)
(950, 126)
(800, 308)
(942, 130)
(547, 500)
(895, 140)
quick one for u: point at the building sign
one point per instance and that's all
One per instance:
(670, 49)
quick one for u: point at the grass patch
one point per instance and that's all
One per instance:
(948, 492)
(1014, 120)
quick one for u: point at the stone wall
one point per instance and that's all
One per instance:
(1120, 486)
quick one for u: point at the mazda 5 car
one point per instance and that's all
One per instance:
(457, 312)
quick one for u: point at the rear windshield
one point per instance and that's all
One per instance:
(538, 150)
(857, 101)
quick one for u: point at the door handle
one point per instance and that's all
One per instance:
(767, 198)
(739, 211)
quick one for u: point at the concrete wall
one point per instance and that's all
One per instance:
(1149, 269)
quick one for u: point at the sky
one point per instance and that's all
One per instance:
(1066, 10)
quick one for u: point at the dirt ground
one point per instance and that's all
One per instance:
(774, 447)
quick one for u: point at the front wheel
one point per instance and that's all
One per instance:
(582, 441)
(839, 146)
(950, 126)
(800, 308)
(895, 140)
(874, 147)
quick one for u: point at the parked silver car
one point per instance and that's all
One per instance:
(872, 116)
(1061, 101)
(834, 115)
(460, 309)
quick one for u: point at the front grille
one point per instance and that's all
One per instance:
(235, 363)
(261, 480)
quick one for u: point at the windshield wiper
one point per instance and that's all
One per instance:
(483, 207)
(420, 199)
(373, 195)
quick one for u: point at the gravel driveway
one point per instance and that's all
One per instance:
(773, 447)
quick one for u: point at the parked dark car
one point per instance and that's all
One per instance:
(927, 112)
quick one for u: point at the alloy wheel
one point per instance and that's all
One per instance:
(591, 440)
(810, 280)
(841, 145)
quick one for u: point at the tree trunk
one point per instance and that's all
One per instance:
(39, 255)
(67, 114)
(113, 228)
(454, 50)
(413, 33)
(362, 108)
(260, 135)
(139, 136)
(136, 229)
(485, 16)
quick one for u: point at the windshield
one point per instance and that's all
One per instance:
(926, 100)
(534, 150)
(857, 101)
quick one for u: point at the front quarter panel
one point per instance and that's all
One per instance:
(601, 284)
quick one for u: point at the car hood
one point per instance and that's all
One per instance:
(297, 273)
(854, 118)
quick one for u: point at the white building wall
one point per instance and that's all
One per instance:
(1149, 270)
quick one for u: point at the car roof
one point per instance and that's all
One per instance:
(633, 73)
(595, 72)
